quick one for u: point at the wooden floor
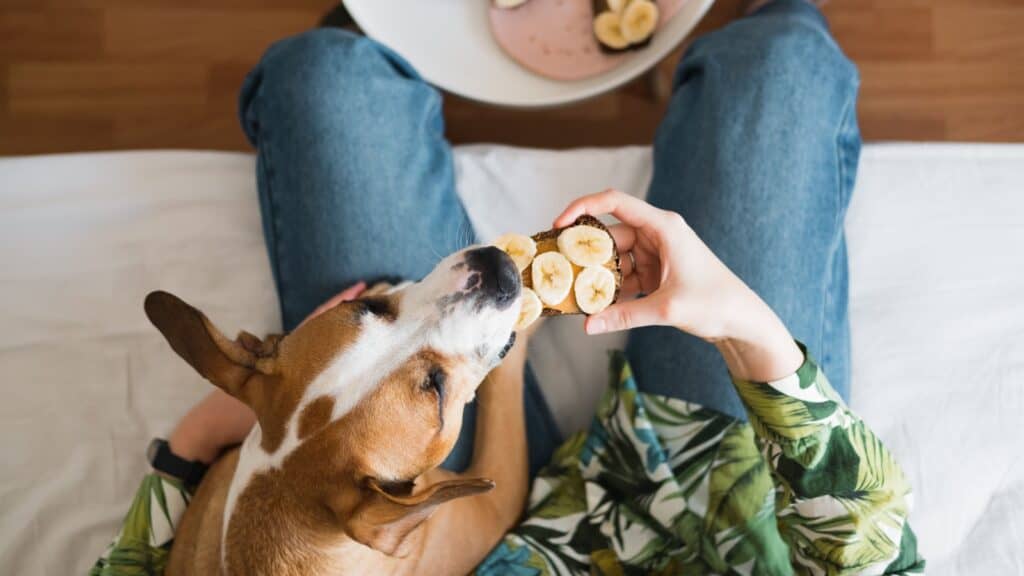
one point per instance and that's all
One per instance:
(116, 74)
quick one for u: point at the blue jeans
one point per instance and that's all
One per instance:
(758, 151)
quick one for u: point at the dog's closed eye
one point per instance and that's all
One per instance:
(436, 383)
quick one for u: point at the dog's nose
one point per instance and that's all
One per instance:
(499, 277)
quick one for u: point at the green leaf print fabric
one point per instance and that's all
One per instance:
(142, 546)
(662, 486)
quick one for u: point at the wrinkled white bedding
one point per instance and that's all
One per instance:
(937, 296)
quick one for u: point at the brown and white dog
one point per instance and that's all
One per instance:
(356, 409)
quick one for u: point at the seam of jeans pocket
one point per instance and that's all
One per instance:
(275, 251)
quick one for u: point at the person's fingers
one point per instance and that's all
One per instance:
(631, 286)
(626, 208)
(627, 264)
(647, 266)
(350, 293)
(624, 236)
(625, 315)
(593, 204)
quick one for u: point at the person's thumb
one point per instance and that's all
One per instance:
(625, 315)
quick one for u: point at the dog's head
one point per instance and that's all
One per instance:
(360, 400)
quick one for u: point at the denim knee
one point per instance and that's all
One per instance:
(784, 47)
(317, 73)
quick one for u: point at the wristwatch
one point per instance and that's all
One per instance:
(163, 460)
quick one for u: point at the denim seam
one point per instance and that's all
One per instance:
(268, 176)
(841, 180)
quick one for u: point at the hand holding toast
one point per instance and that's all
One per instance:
(681, 283)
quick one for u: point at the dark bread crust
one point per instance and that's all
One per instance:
(547, 241)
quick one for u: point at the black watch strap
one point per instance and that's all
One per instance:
(163, 460)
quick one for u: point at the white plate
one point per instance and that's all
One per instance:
(450, 43)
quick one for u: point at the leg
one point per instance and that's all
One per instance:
(355, 176)
(758, 152)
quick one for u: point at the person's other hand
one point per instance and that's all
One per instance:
(350, 293)
(679, 280)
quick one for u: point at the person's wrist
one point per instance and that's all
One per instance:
(747, 317)
(755, 344)
(195, 447)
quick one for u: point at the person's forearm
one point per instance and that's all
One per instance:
(500, 451)
(216, 422)
(758, 347)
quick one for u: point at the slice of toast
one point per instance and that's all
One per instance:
(548, 241)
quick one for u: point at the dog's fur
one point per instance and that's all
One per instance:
(356, 409)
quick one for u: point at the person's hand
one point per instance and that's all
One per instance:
(350, 293)
(681, 283)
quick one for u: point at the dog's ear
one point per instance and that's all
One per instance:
(228, 364)
(385, 517)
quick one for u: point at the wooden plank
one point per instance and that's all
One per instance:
(979, 32)
(41, 34)
(902, 33)
(915, 84)
(111, 88)
(208, 129)
(44, 134)
(992, 122)
(317, 6)
(881, 122)
(224, 80)
(187, 35)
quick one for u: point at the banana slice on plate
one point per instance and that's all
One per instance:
(624, 24)
(638, 21)
(615, 5)
(552, 277)
(595, 289)
(608, 31)
(521, 248)
(529, 310)
(586, 245)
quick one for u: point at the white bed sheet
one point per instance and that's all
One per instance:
(937, 299)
